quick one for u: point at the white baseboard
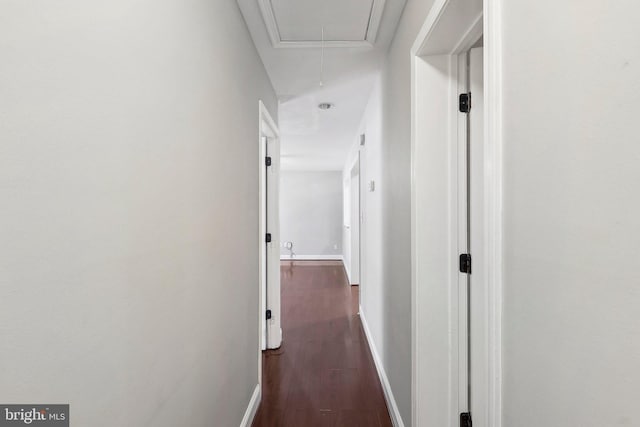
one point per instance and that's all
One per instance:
(311, 258)
(250, 413)
(396, 419)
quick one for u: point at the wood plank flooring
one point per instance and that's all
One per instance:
(323, 375)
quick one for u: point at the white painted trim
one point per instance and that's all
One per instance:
(254, 403)
(312, 258)
(414, 351)
(494, 214)
(271, 24)
(394, 412)
(428, 27)
(266, 116)
(328, 44)
(374, 20)
(436, 37)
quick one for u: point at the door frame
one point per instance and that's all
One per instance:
(451, 27)
(268, 129)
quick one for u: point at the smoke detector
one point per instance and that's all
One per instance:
(326, 106)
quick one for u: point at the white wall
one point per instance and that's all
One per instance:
(311, 213)
(395, 187)
(346, 217)
(386, 232)
(572, 210)
(129, 193)
(372, 291)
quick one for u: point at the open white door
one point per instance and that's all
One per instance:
(269, 233)
(274, 330)
(263, 247)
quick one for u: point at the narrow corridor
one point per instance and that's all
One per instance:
(324, 374)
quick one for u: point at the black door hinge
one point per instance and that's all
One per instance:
(267, 161)
(464, 102)
(268, 314)
(268, 238)
(465, 263)
(465, 419)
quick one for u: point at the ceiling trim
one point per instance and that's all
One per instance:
(269, 17)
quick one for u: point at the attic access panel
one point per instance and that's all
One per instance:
(298, 23)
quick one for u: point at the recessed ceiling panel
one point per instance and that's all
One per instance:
(314, 139)
(302, 20)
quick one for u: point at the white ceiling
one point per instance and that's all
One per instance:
(359, 33)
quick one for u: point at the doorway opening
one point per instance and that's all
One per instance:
(456, 197)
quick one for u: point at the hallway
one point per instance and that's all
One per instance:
(474, 165)
(324, 374)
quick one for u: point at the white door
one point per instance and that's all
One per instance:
(264, 256)
(272, 245)
(355, 224)
(269, 234)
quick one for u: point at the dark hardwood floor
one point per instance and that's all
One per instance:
(323, 375)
